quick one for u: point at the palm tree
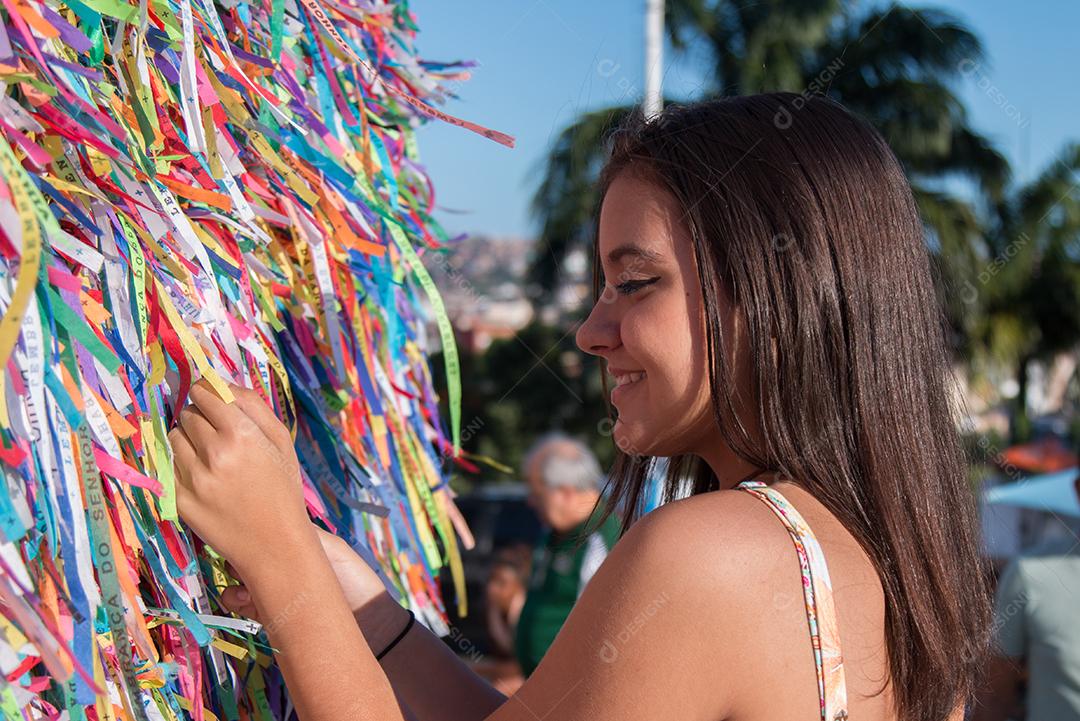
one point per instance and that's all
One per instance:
(892, 65)
(1026, 293)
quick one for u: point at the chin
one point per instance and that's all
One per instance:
(633, 438)
(641, 438)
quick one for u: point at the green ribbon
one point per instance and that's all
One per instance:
(106, 564)
(446, 331)
(277, 22)
(81, 332)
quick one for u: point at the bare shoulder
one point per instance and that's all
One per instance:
(719, 539)
(673, 603)
(720, 557)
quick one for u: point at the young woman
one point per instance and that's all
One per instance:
(768, 313)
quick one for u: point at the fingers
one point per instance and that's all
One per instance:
(198, 431)
(248, 418)
(220, 414)
(188, 467)
(256, 409)
(185, 459)
(188, 508)
(236, 599)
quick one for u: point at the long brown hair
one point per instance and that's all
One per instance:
(801, 214)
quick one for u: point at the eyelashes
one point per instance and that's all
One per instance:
(630, 287)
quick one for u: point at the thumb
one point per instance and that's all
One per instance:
(238, 600)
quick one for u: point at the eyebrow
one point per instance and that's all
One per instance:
(633, 251)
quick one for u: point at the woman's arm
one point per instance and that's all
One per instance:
(311, 643)
(423, 670)
(449, 688)
(429, 680)
(239, 489)
(649, 638)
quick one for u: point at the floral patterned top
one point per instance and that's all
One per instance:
(818, 594)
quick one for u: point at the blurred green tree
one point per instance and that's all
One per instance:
(1023, 303)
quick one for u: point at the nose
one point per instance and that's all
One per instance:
(599, 334)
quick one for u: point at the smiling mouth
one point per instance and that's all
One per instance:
(625, 379)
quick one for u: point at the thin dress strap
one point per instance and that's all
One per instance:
(820, 606)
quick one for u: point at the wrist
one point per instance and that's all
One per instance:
(381, 620)
(293, 554)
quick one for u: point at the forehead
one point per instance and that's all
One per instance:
(640, 222)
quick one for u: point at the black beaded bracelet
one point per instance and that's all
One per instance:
(412, 619)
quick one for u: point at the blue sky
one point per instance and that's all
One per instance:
(543, 62)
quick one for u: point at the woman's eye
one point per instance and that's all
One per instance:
(633, 286)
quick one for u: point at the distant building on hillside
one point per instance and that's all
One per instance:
(482, 285)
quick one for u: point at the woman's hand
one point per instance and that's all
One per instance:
(375, 611)
(238, 480)
(239, 488)
(360, 584)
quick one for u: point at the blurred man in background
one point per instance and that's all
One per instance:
(1037, 634)
(565, 482)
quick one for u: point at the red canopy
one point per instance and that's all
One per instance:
(1045, 455)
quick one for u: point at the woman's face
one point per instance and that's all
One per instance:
(649, 324)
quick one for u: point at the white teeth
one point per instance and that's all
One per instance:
(628, 378)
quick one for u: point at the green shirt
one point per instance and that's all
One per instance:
(562, 565)
(1038, 619)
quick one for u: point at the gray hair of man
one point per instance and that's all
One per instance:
(563, 461)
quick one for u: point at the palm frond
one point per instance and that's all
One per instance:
(565, 201)
(903, 42)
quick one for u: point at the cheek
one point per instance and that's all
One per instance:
(665, 337)
(659, 336)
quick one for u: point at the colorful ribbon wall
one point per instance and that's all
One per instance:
(231, 192)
